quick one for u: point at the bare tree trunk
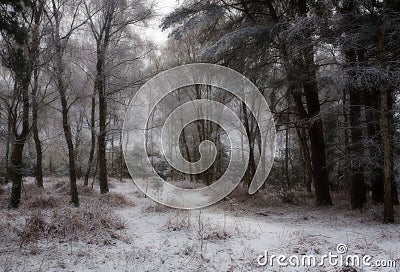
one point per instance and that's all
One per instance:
(388, 203)
(100, 87)
(64, 106)
(23, 69)
(121, 158)
(384, 120)
(15, 173)
(93, 140)
(102, 138)
(375, 148)
(187, 150)
(316, 135)
(78, 142)
(251, 169)
(308, 176)
(9, 133)
(287, 134)
(357, 189)
(346, 142)
(35, 130)
(392, 131)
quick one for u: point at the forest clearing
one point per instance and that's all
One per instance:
(200, 135)
(127, 232)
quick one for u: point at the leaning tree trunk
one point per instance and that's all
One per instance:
(64, 107)
(68, 139)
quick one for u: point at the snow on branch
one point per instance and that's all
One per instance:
(183, 13)
(235, 39)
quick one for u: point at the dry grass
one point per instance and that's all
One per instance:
(92, 223)
(155, 207)
(178, 221)
(113, 199)
(63, 187)
(217, 234)
(42, 201)
(288, 197)
(46, 214)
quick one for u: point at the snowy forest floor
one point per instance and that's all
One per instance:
(125, 231)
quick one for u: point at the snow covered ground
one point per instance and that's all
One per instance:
(229, 236)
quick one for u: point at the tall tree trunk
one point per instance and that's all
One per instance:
(15, 168)
(103, 42)
(392, 131)
(304, 149)
(9, 134)
(78, 142)
(346, 142)
(15, 173)
(251, 169)
(23, 68)
(287, 134)
(388, 201)
(316, 128)
(384, 120)
(316, 133)
(102, 138)
(35, 130)
(64, 106)
(357, 189)
(121, 158)
(375, 146)
(70, 145)
(93, 140)
(187, 150)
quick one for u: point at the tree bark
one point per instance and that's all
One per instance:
(102, 140)
(59, 74)
(316, 130)
(35, 130)
(357, 189)
(15, 170)
(15, 173)
(375, 148)
(251, 169)
(23, 66)
(304, 149)
(93, 140)
(384, 121)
